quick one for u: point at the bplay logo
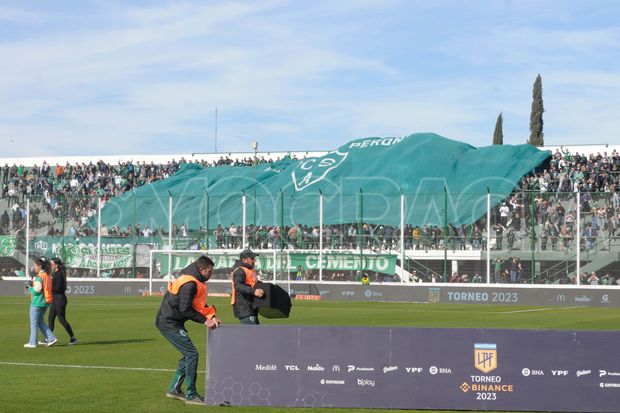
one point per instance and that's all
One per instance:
(365, 382)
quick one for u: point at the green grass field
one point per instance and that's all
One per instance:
(118, 337)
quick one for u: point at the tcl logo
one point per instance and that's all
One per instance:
(559, 372)
(291, 367)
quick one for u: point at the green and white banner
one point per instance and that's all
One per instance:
(7, 245)
(287, 261)
(82, 253)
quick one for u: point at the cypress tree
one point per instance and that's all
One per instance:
(536, 117)
(498, 135)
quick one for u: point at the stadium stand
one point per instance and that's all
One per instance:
(538, 216)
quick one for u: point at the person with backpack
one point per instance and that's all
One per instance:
(40, 289)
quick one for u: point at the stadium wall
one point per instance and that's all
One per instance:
(443, 293)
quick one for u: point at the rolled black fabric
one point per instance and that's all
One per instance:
(276, 303)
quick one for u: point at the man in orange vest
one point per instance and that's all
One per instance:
(186, 300)
(243, 292)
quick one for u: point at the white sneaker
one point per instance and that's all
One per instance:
(42, 343)
(51, 343)
(28, 345)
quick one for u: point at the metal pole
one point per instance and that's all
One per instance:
(533, 241)
(216, 129)
(169, 232)
(361, 224)
(208, 234)
(99, 237)
(281, 220)
(488, 246)
(445, 235)
(402, 236)
(134, 233)
(255, 165)
(27, 236)
(275, 279)
(320, 236)
(243, 204)
(578, 235)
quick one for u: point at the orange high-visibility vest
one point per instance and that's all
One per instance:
(199, 303)
(250, 279)
(46, 280)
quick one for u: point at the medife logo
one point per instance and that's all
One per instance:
(485, 357)
(266, 367)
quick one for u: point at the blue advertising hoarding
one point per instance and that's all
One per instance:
(414, 368)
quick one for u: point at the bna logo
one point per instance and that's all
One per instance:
(485, 357)
(313, 170)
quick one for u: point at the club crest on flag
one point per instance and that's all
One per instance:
(313, 170)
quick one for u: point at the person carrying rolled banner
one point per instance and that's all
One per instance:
(40, 289)
(185, 300)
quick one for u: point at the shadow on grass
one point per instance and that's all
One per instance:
(113, 342)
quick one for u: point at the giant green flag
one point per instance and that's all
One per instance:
(361, 181)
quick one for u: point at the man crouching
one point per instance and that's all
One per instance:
(186, 300)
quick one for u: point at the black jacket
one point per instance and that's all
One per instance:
(175, 310)
(59, 283)
(244, 294)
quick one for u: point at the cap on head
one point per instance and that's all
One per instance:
(248, 254)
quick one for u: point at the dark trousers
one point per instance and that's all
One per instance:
(253, 319)
(58, 308)
(188, 364)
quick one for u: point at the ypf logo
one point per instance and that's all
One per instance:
(485, 357)
(313, 170)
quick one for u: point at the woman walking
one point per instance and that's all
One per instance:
(59, 305)
(40, 290)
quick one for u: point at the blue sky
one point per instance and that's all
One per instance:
(113, 77)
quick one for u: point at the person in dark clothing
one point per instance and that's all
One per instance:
(59, 304)
(186, 300)
(243, 292)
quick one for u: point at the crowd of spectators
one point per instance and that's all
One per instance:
(543, 201)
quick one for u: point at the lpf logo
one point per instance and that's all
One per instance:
(313, 170)
(434, 295)
(485, 357)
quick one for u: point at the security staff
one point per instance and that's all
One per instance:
(243, 292)
(186, 300)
